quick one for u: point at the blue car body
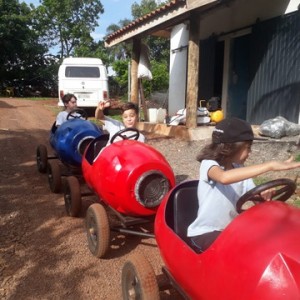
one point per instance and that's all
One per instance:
(71, 139)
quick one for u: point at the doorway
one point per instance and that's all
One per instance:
(238, 83)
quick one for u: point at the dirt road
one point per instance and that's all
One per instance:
(44, 253)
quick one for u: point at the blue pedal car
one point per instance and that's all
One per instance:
(68, 142)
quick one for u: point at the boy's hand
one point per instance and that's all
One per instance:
(268, 194)
(103, 104)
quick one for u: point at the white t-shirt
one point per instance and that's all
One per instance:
(113, 126)
(62, 117)
(217, 202)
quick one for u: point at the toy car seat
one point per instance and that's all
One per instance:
(185, 208)
(95, 147)
(54, 127)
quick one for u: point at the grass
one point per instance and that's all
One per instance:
(260, 180)
(115, 114)
(33, 98)
(293, 200)
(38, 98)
(297, 202)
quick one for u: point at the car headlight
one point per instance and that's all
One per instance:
(151, 188)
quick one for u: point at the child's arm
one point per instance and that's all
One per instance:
(235, 175)
(99, 115)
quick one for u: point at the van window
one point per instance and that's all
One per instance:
(82, 72)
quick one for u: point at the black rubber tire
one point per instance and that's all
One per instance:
(138, 279)
(98, 230)
(54, 176)
(41, 158)
(287, 189)
(135, 136)
(83, 114)
(72, 196)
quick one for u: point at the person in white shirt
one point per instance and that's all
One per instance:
(129, 117)
(70, 103)
(224, 179)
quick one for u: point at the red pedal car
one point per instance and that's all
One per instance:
(257, 256)
(129, 177)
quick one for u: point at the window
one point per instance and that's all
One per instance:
(82, 72)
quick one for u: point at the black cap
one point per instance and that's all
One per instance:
(232, 130)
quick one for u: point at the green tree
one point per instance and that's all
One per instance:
(120, 80)
(144, 8)
(122, 50)
(23, 57)
(159, 47)
(68, 23)
(160, 79)
(159, 52)
(93, 49)
(119, 58)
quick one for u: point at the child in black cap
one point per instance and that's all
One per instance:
(224, 179)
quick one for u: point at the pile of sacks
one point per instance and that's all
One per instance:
(278, 128)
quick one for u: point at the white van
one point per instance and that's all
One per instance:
(84, 77)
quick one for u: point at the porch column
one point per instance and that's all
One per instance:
(192, 73)
(136, 48)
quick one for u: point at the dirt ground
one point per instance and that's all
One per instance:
(43, 252)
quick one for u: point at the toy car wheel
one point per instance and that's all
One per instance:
(72, 196)
(41, 158)
(54, 176)
(138, 279)
(98, 230)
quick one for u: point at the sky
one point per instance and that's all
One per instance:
(114, 11)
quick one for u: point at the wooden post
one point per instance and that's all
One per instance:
(136, 49)
(143, 101)
(192, 74)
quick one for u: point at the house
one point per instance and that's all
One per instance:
(247, 53)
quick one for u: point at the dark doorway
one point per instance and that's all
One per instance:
(238, 77)
(211, 68)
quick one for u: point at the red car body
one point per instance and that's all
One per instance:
(256, 257)
(124, 172)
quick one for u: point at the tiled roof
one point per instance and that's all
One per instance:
(163, 9)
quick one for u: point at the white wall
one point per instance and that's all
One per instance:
(178, 68)
(293, 6)
(243, 13)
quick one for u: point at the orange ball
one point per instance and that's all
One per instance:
(216, 116)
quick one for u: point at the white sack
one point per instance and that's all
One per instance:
(144, 64)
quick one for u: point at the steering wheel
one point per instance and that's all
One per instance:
(286, 188)
(135, 134)
(77, 113)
